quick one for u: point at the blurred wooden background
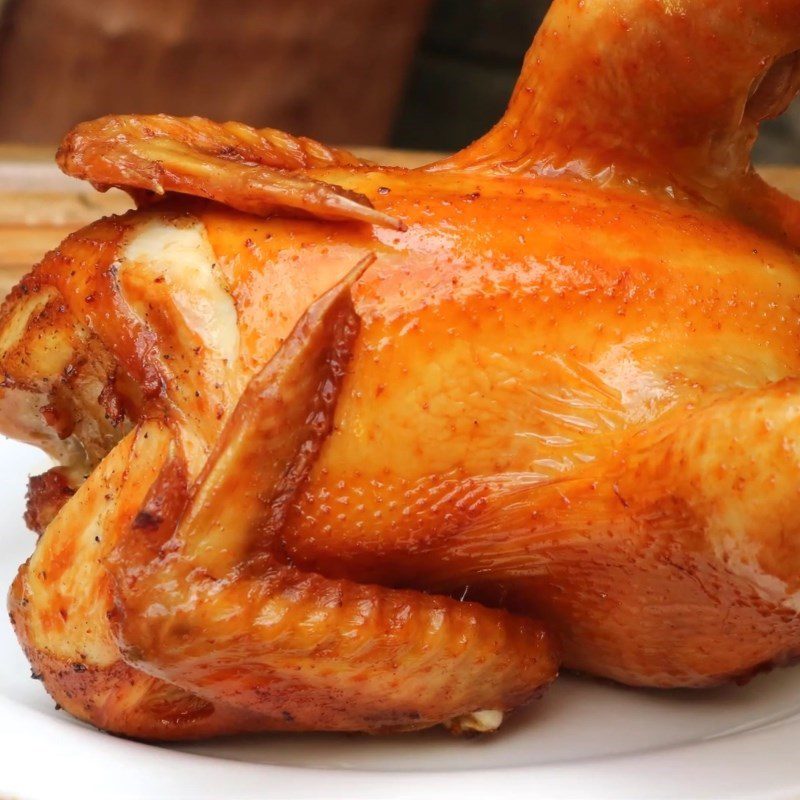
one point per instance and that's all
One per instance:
(332, 69)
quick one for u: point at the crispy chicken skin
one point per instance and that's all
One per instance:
(356, 448)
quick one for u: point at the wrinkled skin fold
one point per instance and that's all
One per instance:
(352, 448)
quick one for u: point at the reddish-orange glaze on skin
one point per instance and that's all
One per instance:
(564, 389)
(47, 493)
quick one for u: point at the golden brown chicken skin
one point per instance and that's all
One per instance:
(356, 448)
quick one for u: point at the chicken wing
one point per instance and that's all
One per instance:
(256, 171)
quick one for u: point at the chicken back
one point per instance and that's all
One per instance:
(347, 447)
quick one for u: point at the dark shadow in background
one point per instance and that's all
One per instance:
(465, 70)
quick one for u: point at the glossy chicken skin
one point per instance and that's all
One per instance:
(551, 378)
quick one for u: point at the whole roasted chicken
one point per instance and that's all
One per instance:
(352, 448)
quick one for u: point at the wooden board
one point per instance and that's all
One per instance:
(39, 206)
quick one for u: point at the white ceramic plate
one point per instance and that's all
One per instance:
(585, 739)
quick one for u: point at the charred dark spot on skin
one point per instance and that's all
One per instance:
(111, 401)
(182, 631)
(46, 496)
(59, 418)
(147, 520)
